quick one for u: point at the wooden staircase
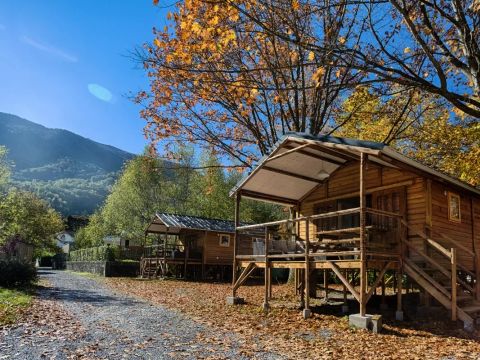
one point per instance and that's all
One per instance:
(151, 268)
(453, 286)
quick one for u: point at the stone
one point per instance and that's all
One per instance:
(234, 300)
(399, 315)
(359, 321)
(306, 313)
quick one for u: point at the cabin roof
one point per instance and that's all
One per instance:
(174, 223)
(299, 162)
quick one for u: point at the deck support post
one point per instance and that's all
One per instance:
(363, 235)
(235, 242)
(325, 283)
(306, 311)
(345, 299)
(476, 251)
(399, 312)
(267, 273)
(383, 304)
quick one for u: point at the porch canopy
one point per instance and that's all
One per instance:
(164, 223)
(300, 162)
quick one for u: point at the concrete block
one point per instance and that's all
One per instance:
(359, 321)
(265, 307)
(306, 313)
(376, 323)
(369, 322)
(399, 315)
(345, 309)
(234, 300)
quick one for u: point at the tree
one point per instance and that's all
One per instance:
(24, 216)
(4, 169)
(218, 81)
(430, 46)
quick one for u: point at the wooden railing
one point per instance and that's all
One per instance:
(451, 256)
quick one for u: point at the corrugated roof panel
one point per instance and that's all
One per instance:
(196, 223)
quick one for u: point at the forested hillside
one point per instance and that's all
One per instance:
(72, 173)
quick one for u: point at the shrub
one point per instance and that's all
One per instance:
(16, 273)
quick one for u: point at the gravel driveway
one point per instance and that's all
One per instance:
(79, 317)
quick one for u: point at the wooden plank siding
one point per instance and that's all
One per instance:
(345, 181)
(458, 231)
(214, 254)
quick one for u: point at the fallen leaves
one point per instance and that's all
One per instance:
(283, 330)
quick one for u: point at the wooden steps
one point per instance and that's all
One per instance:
(471, 309)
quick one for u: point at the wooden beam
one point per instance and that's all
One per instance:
(266, 197)
(363, 235)
(345, 282)
(235, 241)
(367, 191)
(293, 150)
(288, 173)
(307, 264)
(265, 300)
(320, 157)
(476, 251)
(454, 283)
(377, 282)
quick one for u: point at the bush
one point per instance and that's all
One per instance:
(16, 273)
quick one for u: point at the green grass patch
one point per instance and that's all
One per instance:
(86, 274)
(12, 304)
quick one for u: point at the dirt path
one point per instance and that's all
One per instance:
(78, 317)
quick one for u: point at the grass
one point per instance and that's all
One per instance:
(86, 274)
(12, 304)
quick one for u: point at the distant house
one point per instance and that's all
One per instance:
(16, 250)
(188, 246)
(65, 240)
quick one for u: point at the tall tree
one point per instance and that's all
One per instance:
(25, 216)
(4, 169)
(218, 80)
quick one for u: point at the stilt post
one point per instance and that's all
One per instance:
(306, 310)
(363, 235)
(235, 241)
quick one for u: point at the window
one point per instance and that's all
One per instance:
(454, 207)
(224, 240)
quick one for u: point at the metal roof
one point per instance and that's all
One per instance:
(299, 162)
(173, 223)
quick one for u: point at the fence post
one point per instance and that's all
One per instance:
(454, 283)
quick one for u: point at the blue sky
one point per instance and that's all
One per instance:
(65, 64)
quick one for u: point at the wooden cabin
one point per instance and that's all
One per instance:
(188, 247)
(360, 207)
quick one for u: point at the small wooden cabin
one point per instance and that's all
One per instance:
(360, 207)
(189, 247)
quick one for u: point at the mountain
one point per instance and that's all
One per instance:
(73, 173)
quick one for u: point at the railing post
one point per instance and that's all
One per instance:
(454, 283)
(306, 310)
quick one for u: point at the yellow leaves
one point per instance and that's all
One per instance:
(311, 56)
(196, 28)
(157, 43)
(407, 50)
(342, 40)
(317, 76)
(295, 5)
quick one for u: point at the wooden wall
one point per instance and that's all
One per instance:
(462, 231)
(345, 183)
(214, 254)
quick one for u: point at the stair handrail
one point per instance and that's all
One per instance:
(452, 256)
(452, 241)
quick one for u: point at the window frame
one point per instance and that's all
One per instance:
(451, 196)
(220, 243)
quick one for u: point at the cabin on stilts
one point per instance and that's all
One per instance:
(360, 210)
(189, 247)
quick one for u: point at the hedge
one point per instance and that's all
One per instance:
(16, 273)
